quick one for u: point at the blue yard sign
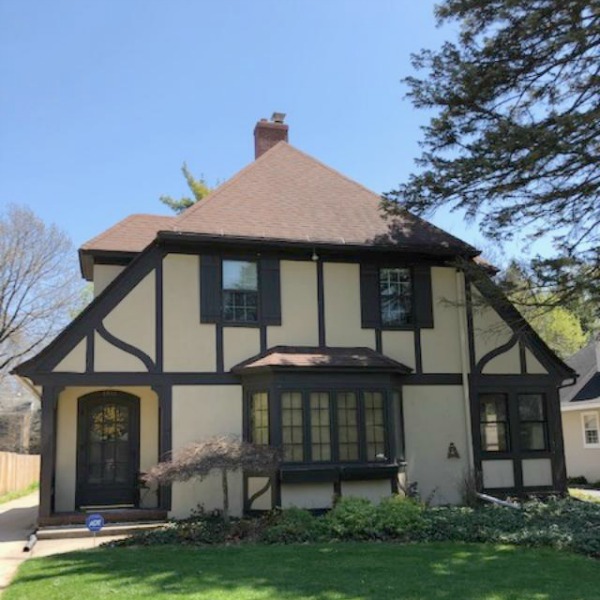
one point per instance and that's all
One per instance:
(94, 522)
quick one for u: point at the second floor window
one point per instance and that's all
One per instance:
(240, 291)
(395, 296)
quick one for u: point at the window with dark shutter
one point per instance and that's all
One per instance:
(369, 296)
(423, 296)
(270, 291)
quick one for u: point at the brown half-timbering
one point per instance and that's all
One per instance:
(165, 437)
(108, 449)
(48, 450)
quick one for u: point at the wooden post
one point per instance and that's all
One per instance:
(48, 450)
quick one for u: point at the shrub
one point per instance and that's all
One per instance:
(579, 480)
(293, 525)
(400, 518)
(352, 519)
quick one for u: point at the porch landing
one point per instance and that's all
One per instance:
(112, 516)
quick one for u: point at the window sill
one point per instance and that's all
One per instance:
(324, 473)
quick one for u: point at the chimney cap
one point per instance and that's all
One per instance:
(278, 117)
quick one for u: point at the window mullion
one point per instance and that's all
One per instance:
(333, 428)
(362, 426)
(306, 423)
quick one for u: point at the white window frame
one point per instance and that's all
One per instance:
(593, 414)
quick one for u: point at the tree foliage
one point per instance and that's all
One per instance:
(559, 326)
(199, 190)
(38, 284)
(221, 453)
(515, 139)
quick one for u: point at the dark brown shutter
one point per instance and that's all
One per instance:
(270, 291)
(423, 297)
(210, 289)
(369, 296)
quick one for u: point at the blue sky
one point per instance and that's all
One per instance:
(101, 101)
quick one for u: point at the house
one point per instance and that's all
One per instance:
(580, 408)
(285, 309)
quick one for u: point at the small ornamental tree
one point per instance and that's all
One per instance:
(222, 453)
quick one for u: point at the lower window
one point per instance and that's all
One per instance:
(324, 426)
(525, 411)
(345, 426)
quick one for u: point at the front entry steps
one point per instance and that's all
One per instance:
(77, 531)
(111, 515)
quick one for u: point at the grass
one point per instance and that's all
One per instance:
(20, 493)
(582, 495)
(342, 571)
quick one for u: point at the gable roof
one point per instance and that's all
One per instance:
(287, 195)
(587, 363)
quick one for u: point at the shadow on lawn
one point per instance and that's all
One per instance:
(366, 571)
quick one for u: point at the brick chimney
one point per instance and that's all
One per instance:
(268, 133)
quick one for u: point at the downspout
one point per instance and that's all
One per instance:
(464, 361)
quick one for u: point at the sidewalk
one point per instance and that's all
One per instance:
(17, 522)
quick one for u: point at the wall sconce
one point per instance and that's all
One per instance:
(452, 451)
(315, 256)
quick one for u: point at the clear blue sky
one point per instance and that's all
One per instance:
(101, 101)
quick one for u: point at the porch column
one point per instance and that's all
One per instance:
(48, 450)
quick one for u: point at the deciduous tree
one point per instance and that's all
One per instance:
(38, 284)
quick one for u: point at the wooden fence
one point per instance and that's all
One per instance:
(17, 471)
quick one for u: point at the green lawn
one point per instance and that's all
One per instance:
(341, 571)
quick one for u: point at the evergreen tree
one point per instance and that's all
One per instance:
(515, 139)
(198, 188)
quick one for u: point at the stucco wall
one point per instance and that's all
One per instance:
(580, 460)
(440, 346)
(307, 495)
(188, 344)
(198, 413)
(133, 319)
(74, 361)
(399, 345)
(103, 275)
(299, 307)
(239, 343)
(66, 441)
(433, 418)
(342, 307)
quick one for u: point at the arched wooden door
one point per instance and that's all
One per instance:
(108, 449)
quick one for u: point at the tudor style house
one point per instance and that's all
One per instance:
(286, 309)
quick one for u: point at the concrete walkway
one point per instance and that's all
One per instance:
(17, 522)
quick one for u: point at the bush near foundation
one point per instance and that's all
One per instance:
(558, 523)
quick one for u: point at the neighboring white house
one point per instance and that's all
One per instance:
(580, 407)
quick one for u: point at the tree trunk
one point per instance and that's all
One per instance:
(224, 484)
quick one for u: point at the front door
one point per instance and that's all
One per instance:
(108, 449)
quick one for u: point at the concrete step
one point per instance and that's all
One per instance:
(111, 529)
